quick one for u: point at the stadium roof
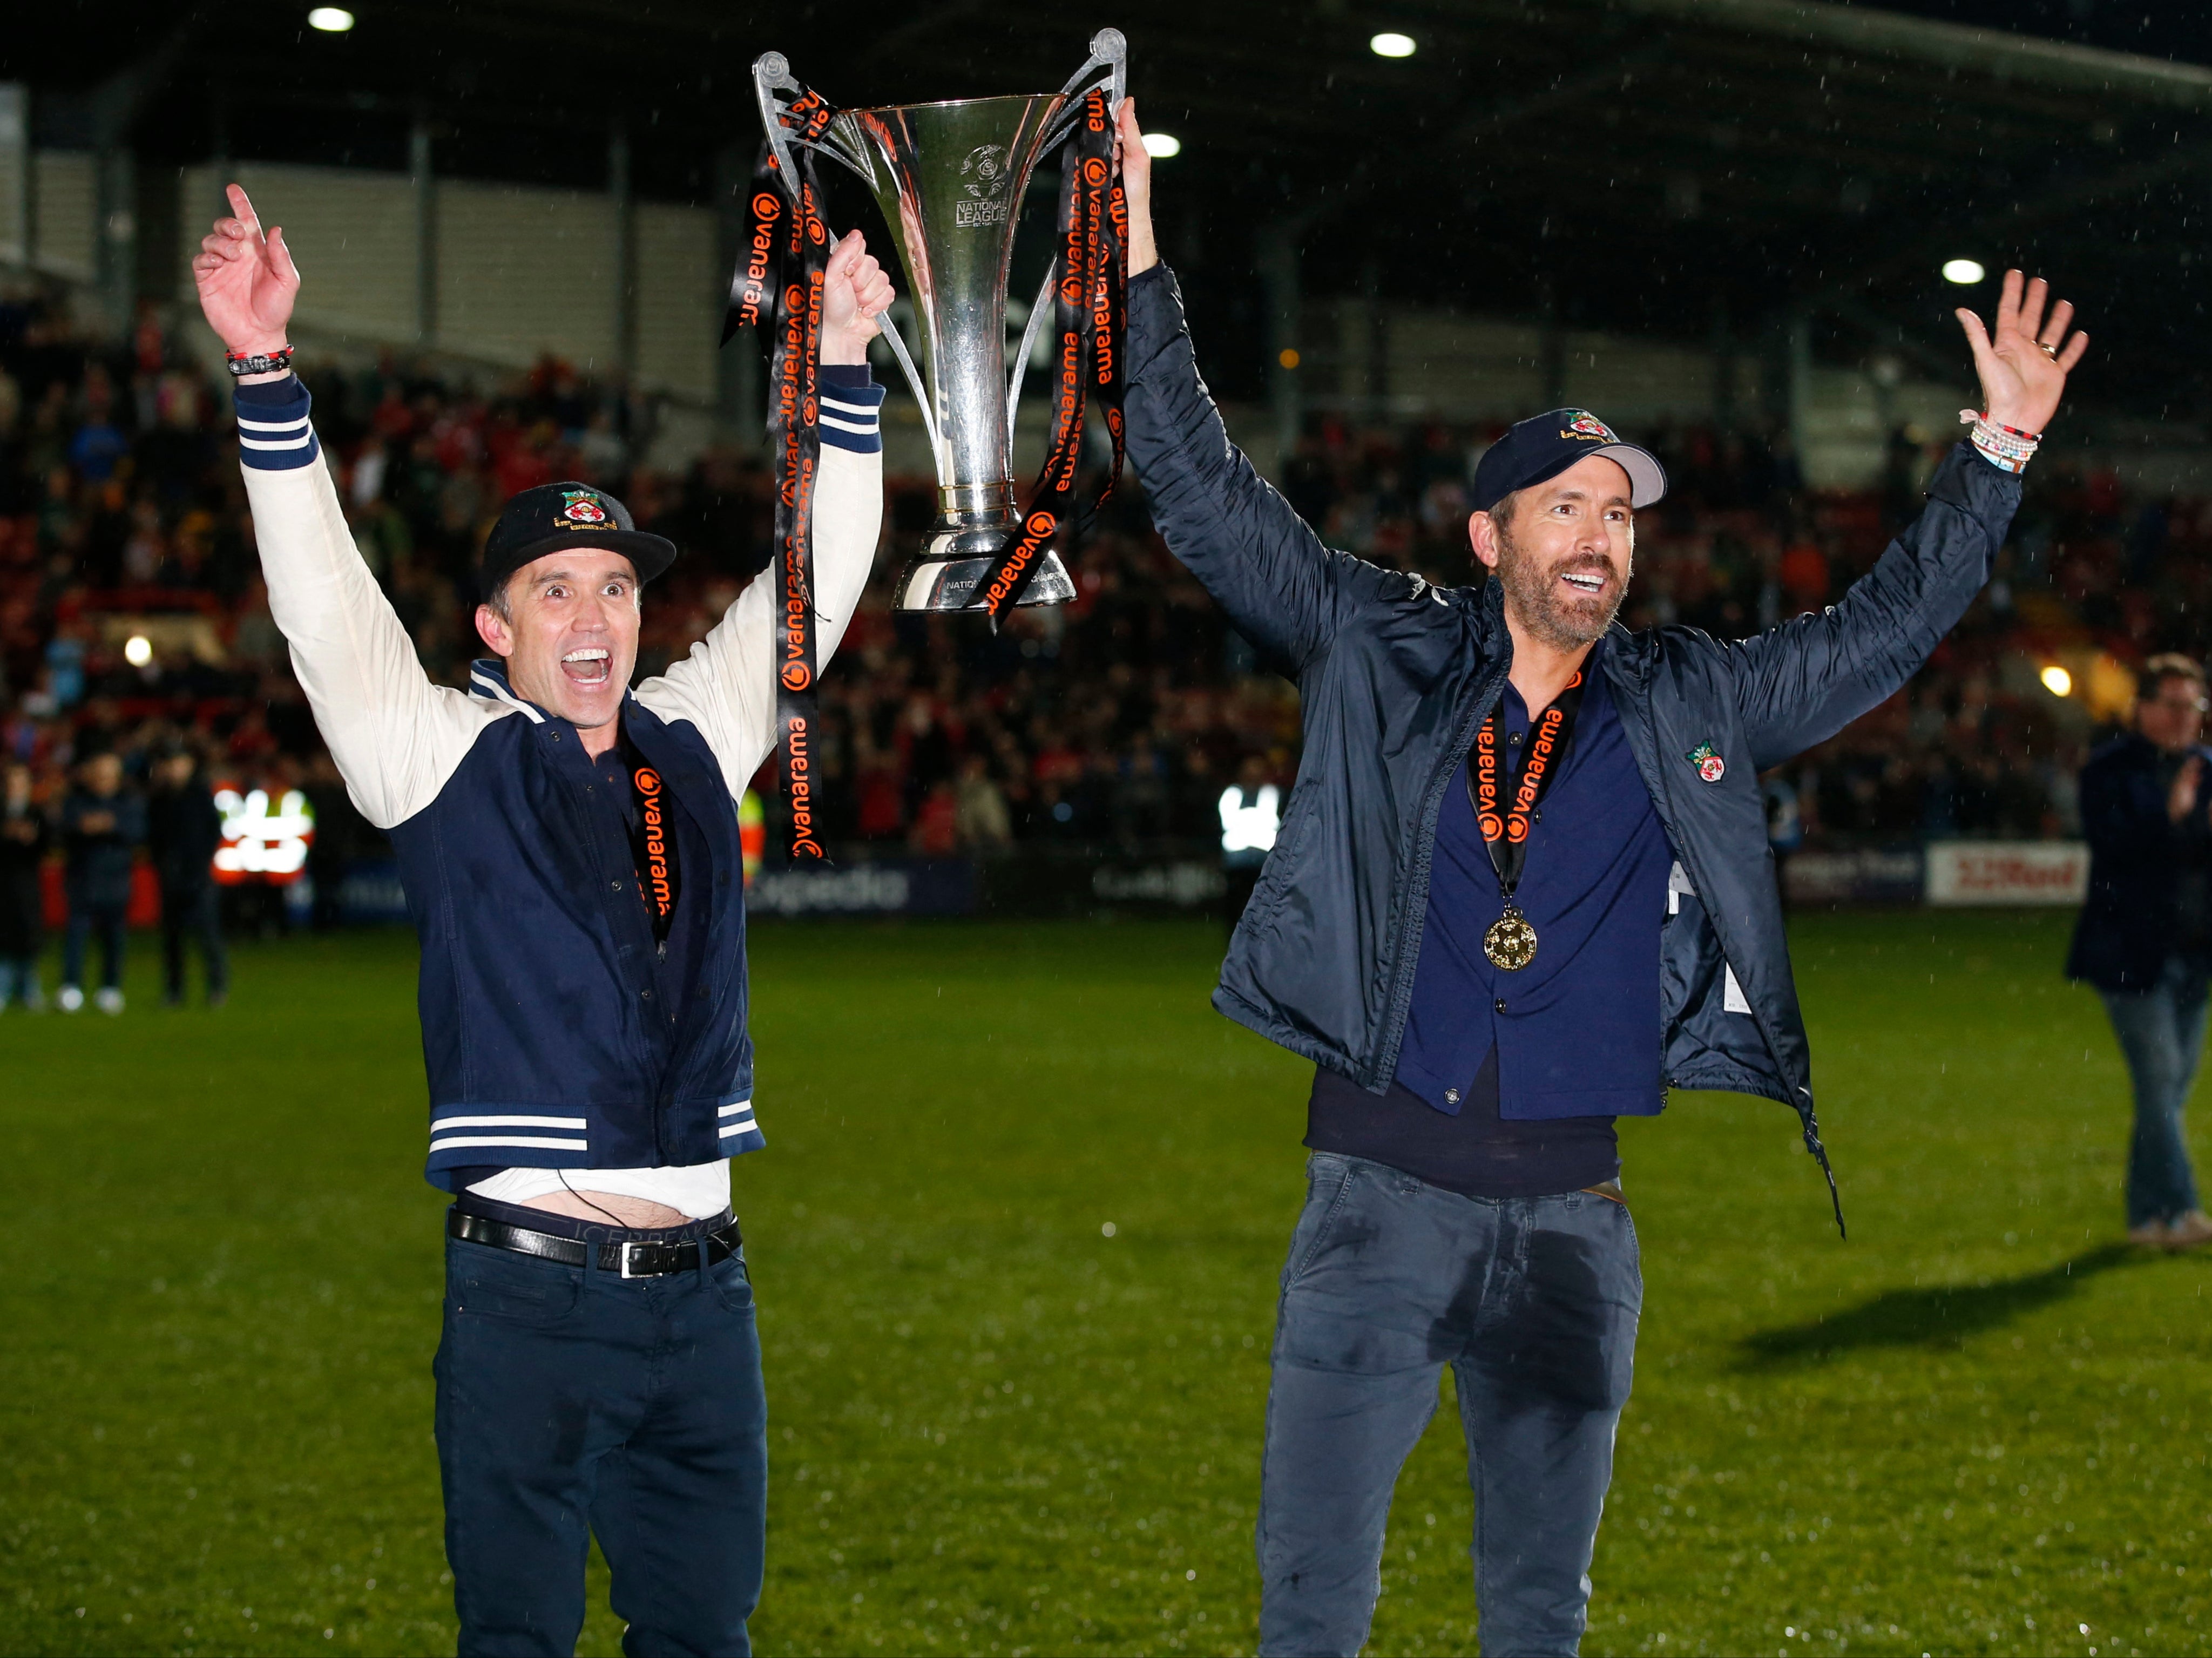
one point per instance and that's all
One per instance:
(1680, 168)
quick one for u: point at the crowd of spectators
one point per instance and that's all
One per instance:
(133, 621)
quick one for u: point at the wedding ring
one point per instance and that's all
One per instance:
(2049, 351)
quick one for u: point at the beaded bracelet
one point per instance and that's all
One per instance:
(273, 362)
(2005, 447)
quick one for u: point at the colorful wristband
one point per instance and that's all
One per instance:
(2005, 448)
(273, 362)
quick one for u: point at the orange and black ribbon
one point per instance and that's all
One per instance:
(777, 284)
(1505, 826)
(1090, 308)
(652, 844)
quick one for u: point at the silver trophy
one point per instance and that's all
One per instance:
(950, 178)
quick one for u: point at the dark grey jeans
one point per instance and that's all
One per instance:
(1533, 1301)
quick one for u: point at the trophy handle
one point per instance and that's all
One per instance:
(1109, 50)
(890, 332)
(772, 74)
(1029, 338)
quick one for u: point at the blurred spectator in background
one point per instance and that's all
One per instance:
(2145, 936)
(24, 837)
(103, 823)
(183, 829)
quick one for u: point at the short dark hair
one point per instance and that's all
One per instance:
(2167, 664)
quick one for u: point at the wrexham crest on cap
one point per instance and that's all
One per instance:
(1586, 425)
(580, 509)
(1707, 760)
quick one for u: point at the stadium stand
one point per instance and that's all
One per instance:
(1111, 723)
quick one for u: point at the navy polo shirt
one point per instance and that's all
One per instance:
(1576, 1031)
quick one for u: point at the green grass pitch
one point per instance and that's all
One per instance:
(1978, 1426)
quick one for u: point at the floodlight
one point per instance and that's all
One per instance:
(331, 20)
(1161, 145)
(1392, 45)
(137, 650)
(1965, 272)
(2057, 681)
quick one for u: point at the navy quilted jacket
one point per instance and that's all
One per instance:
(1395, 676)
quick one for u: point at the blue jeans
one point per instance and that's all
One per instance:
(19, 981)
(574, 1402)
(2162, 1032)
(1533, 1303)
(83, 919)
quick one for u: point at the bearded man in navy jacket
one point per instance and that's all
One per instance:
(1489, 959)
(572, 858)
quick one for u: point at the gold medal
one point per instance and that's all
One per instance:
(1511, 943)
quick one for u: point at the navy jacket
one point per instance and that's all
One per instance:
(1396, 674)
(552, 1032)
(2138, 857)
(98, 872)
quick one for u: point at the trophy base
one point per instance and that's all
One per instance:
(949, 584)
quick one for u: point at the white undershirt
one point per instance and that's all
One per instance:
(695, 1190)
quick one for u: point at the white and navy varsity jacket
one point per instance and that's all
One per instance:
(543, 1033)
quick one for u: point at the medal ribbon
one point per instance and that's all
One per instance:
(1090, 312)
(1505, 831)
(777, 284)
(653, 845)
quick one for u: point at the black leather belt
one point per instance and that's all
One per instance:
(636, 1257)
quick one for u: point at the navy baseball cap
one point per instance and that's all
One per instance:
(567, 515)
(1538, 450)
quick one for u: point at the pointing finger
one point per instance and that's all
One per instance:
(242, 205)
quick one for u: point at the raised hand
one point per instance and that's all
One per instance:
(1137, 186)
(247, 281)
(2023, 363)
(854, 293)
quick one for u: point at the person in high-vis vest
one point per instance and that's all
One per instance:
(572, 854)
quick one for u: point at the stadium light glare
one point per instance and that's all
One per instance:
(1965, 272)
(137, 650)
(1162, 145)
(331, 20)
(1388, 45)
(2057, 681)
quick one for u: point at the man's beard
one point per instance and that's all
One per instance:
(1560, 617)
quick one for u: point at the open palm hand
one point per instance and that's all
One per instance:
(2023, 362)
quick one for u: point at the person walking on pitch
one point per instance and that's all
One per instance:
(1522, 887)
(2144, 940)
(572, 857)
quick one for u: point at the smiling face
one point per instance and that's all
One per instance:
(568, 628)
(1564, 550)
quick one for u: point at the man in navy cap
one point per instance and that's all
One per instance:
(1522, 888)
(572, 857)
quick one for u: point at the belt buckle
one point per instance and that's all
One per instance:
(626, 1245)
